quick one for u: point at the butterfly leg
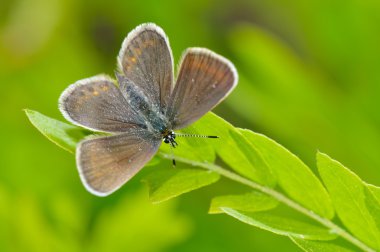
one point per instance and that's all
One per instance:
(172, 154)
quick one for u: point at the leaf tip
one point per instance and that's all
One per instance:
(27, 112)
(321, 156)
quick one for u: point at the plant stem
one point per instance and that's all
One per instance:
(281, 198)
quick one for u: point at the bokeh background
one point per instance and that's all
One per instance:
(309, 78)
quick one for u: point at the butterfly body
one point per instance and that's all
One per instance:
(150, 113)
(144, 107)
(154, 116)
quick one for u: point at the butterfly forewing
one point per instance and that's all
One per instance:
(96, 103)
(146, 59)
(204, 79)
(106, 163)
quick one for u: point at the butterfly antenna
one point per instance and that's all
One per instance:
(195, 135)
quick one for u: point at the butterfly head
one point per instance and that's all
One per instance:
(168, 137)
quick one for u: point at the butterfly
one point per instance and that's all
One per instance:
(143, 107)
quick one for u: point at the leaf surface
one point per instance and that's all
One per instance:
(62, 134)
(282, 225)
(320, 246)
(169, 183)
(248, 202)
(347, 192)
(293, 176)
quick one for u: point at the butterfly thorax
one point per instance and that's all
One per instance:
(149, 112)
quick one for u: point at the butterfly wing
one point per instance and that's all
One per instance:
(106, 163)
(204, 80)
(146, 60)
(97, 104)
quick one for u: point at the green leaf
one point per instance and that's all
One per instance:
(154, 161)
(254, 158)
(319, 246)
(293, 176)
(372, 199)
(375, 191)
(235, 151)
(169, 183)
(248, 202)
(62, 134)
(348, 195)
(282, 225)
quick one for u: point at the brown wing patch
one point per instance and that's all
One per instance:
(97, 103)
(145, 59)
(107, 163)
(204, 80)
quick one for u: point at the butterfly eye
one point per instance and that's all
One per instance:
(166, 140)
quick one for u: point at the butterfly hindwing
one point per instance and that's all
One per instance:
(106, 163)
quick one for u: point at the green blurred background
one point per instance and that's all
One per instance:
(309, 78)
